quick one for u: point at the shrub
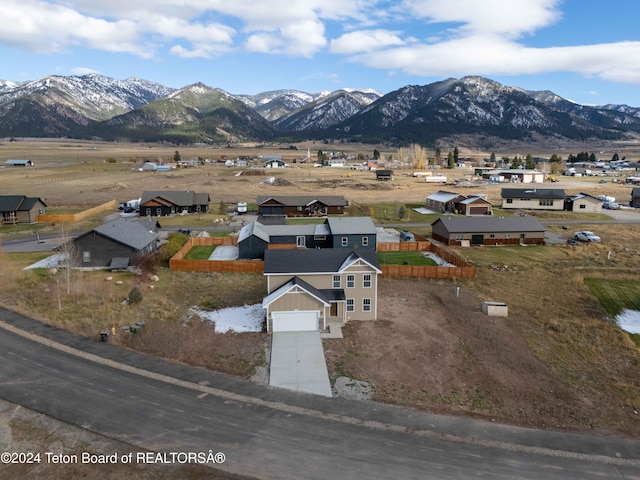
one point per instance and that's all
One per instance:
(135, 296)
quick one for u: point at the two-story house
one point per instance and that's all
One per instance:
(308, 288)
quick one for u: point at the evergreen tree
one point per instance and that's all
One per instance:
(451, 161)
(529, 162)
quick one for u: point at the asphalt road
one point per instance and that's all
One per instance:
(271, 433)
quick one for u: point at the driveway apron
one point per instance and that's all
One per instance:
(298, 363)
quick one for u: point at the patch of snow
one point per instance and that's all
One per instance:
(629, 320)
(54, 261)
(441, 262)
(248, 318)
(224, 252)
(422, 210)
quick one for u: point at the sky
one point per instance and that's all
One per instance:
(587, 51)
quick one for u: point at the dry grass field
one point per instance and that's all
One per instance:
(557, 362)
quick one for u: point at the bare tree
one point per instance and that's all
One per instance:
(417, 156)
(69, 257)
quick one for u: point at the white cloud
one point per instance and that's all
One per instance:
(365, 41)
(83, 71)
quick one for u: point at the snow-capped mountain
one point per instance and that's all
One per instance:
(98, 106)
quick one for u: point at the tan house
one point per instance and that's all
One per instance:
(306, 289)
(489, 230)
(584, 203)
(533, 198)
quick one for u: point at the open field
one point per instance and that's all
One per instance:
(557, 362)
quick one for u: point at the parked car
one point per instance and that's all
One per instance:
(610, 205)
(406, 236)
(586, 236)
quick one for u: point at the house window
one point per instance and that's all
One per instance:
(336, 281)
(345, 241)
(198, 208)
(148, 212)
(351, 281)
(365, 241)
(506, 235)
(158, 212)
(583, 206)
(319, 237)
(459, 236)
(366, 280)
(86, 256)
(351, 305)
(366, 304)
(546, 202)
(492, 235)
(299, 209)
(301, 241)
(509, 200)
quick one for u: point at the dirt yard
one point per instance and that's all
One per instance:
(433, 350)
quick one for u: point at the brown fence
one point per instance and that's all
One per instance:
(178, 262)
(74, 217)
(462, 269)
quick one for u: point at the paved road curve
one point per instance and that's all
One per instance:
(271, 433)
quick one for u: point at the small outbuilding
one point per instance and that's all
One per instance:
(583, 202)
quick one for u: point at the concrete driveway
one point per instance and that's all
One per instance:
(298, 363)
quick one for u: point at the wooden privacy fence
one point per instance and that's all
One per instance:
(74, 217)
(178, 262)
(462, 269)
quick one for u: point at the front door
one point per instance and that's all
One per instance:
(333, 310)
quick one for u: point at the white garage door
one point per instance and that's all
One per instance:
(298, 321)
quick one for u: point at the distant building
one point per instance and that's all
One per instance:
(19, 163)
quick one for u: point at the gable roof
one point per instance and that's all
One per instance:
(304, 200)
(580, 195)
(474, 199)
(537, 193)
(443, 196)
(127, 232)
(490, 224)
(320, 295)
(326, 260)
(17, 203)
(351, 226)
(183, 199)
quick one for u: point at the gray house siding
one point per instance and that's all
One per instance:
(99, 250)
(353, 241)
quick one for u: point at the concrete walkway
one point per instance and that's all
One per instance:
(298, 363)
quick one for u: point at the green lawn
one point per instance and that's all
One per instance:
(200, 252)
(410, 257)
(615, 295)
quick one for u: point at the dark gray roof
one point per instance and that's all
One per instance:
(303, 200)
(16, 203)
(183, 199)
(351, 226)
(127, 232)
(323, 260)
(490, 224)
(533, 192)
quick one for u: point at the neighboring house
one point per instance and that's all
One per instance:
(514, 176)
(635, 198)
(19, 163)
(533, 198)
(116, 244)
(302, 205)
(384, 174)
(583, 202)
(335, 232)
(307, 288)
(488, 230)
(474, 205)
(444, 202)
(273, 161)
(334, 162)
(161, 204)
(20, 209)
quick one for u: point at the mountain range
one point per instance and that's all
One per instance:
(95, 106)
